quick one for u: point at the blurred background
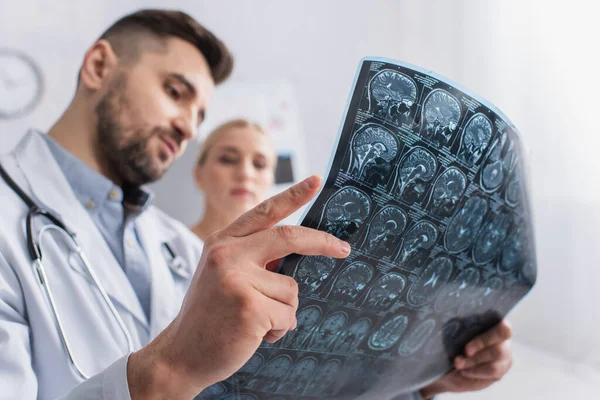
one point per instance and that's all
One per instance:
(295, 62)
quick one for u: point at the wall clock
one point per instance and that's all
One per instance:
(21, 84)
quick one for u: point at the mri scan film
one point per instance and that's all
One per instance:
(427, 183)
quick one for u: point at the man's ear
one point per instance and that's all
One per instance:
(99, 63)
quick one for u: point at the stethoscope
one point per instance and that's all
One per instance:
(176, 263)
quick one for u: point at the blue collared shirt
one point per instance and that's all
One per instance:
(114, 212)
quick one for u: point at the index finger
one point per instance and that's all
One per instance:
(268, 213)
(497, 334)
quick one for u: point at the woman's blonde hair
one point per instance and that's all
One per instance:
(213, 136)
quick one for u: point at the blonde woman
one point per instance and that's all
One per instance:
(235, 170)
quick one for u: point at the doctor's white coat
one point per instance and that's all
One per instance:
(33, 362)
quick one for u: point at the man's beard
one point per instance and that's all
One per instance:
(127, 157)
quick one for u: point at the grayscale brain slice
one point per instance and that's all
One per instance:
(324, 377)
(441, 106)
(353, 279)
(295, 382)
(346, 211)
(392, 85)
(417, 337)
(513, 191)
(388, 334)
(449, 187)
(463, 285)
(465, 224)
(492, 175)
(490, 240)
(490, 291)
(389, 221)
(312, 271)
(212, 392)
(348, 340)
(476, 138)
(430, 282)
(307, 318)
(253, 364)
(271, 375)
(239, 396)
(373, 134)
(513, 253)
(420, 164)
(422, 160)
(422, 236)
(385, 291)
(500, 162)
(328, 331)
(451, 183)
(373, 148)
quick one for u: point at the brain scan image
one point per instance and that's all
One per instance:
(439, 342)
(462, 288)
(417, 168)
(499, 164)
(420, 238)
(514, 250)
(440, 116)
(270, 376)
(513, 191)
(328, 331)
(427, 183)
(299, 376)
(312, 271)
(476, 137)
(447, 191)
(351, 337)
(214, 392)
(430, 282)
(351, 282)
(414, 340)
(373, 150)
(346, 211)
(248, 370)
(486, 296)
(360, 372)
(490, 239)
(392, 95)
(462, 229)
(384, 292)
(239, 396)
(307, 319)
(384, 231)
(389, 333)
(323, 379)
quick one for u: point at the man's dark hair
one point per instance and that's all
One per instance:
(127, 35)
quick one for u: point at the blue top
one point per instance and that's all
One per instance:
(114, 212)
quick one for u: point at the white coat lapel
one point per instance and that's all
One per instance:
(163, 304)
(51, 189)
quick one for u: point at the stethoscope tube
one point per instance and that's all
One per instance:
(36, 255)
(34, 210)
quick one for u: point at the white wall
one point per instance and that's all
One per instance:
(534, 59)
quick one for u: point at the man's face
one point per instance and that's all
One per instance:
(151, 110)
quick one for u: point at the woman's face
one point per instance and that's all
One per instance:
(237, 172)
